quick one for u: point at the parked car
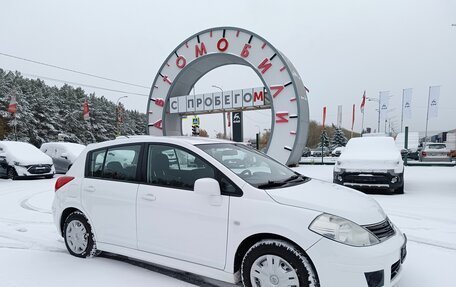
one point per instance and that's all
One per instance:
(317, 152)
(412, 145)
(337, 151)
(306, 152)
(19, 159)
(435, 152)
(63, 154)
(225, 211)
(370, 162)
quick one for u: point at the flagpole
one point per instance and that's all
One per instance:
(362, 121)
(378, 123)
(402, 110)
(427, 116)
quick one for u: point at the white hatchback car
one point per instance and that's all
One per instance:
(225, 211)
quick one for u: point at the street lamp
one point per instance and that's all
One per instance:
(117, 114)
(224, 116)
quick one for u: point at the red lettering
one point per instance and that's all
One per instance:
(265, 65)
(258, 96)
(200, 51)
(159, 102)
(245, 51)
(222, 45)
(278, 90)
(158, 124)
(181, 62)
(280, 117)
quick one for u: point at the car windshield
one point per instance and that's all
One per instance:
(252, 166)
(436, 146)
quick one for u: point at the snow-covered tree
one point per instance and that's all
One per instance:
(324, 138)
(44, 112)
(339, 139)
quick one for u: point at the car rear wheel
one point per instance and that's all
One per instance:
(78, 236)
(277, 263)
(12, 174)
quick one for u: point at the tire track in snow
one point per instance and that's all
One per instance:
(26, 205)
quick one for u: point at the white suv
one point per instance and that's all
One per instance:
(223, 210)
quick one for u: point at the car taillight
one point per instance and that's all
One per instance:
(423, 153)
(61, 181)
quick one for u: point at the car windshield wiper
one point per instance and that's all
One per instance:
(272, 183)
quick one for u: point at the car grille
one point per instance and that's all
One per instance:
(395, 269)
(382, 230)
(368, 178)
(39, 168)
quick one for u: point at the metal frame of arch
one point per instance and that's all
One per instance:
(216, 47)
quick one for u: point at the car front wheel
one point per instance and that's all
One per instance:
(78, 236)
(277, 263)
(12, 174)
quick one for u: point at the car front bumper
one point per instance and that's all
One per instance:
(23, 171)
(436, 159)
(338, 264)
(389, 179)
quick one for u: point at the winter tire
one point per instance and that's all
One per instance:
(78, 236)
(277, 263)
(12, 174)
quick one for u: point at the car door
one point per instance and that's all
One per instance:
(109, 193)
(3, 163)
(174, 221)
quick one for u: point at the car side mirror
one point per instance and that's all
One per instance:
(207, 186)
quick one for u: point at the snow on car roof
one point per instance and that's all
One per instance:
(73, 148)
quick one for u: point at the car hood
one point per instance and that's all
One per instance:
(361, 161)
(28, 159)
(331, 198)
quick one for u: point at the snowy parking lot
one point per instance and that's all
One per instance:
(33, 254)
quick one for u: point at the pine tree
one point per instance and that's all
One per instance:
(339, 139)
(324, 138)
(46, 112)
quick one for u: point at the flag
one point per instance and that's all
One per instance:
(339, 116)
(363, 102)
(85, 112)
(407, 103)
(324, 116)
(383, 105)
(353, 117)
(12, 107)
(433, 103)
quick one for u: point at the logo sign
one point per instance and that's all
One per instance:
(217, 47)
(238, 131)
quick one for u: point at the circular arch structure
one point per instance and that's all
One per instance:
(216, 47)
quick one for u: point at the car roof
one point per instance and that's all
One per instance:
(162, 139)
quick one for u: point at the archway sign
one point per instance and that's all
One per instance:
(221, 46)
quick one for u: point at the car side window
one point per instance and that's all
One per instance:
(121, 163)
(174, 167)
(96, 163)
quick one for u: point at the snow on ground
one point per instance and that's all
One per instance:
(33, 254)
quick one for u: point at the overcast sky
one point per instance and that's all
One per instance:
(340, 49)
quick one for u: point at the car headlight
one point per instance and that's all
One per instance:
(342, 230)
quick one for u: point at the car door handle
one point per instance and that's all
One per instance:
(90, 189)
(149, 197)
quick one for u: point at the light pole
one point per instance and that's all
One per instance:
(117, 114)
(258, 137)
(224, 116)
